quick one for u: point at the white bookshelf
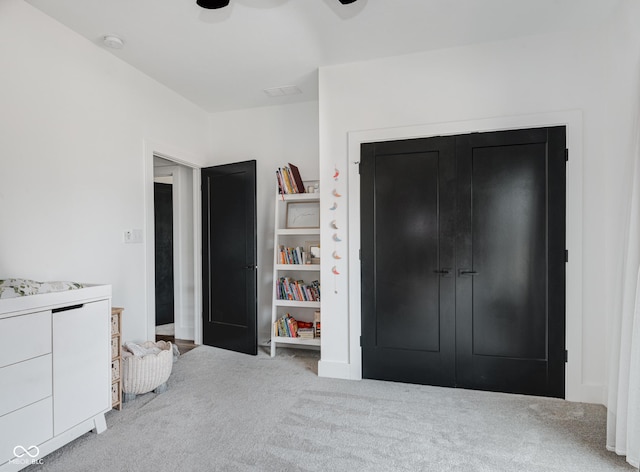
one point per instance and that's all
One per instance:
(293, 237)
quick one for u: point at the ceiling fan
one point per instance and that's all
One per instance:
(215, 4)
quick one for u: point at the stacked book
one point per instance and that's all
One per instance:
(298, 290)
(291, 255)
(305, 333)
(287, 327)
(306, 330)
(289, 180)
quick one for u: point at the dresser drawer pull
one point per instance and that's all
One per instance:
(66, 308)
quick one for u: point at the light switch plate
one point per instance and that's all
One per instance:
(132, 236)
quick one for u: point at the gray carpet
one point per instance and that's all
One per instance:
(232, 412)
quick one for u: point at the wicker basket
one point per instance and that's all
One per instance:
(144, 374)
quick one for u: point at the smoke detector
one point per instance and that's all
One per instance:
(112, 41)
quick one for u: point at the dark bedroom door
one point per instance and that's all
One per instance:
(229, 254)
(504, 213)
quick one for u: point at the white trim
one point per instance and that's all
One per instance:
(197, 255)
(337, 370)
(592, 393)
(576, 390)
(151, 149)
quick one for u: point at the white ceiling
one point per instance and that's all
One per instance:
(224, 59)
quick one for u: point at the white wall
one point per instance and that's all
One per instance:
(73, 124)
(274, 136)
(497, 81)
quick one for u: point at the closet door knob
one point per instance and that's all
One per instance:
(443, 272)
(466, 272)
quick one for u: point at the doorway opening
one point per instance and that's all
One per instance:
(174, 237)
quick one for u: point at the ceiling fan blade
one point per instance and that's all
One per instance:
(212, 4)
(215, 4)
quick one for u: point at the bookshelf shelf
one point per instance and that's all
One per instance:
(288, 238)
(296, 303)
(302, 342)
(294, 267)
(296, 197)
(298, 232)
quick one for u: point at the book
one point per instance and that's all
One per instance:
(292, 325)
(287, 180)
(305, 333)
(316, 322)
(295, 173)
(294, 184)
(279, 179)
(286, 326)
(281, 182)
(289, 289)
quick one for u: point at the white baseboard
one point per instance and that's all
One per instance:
(591, 393)
(335, 370)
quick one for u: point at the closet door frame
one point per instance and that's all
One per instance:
(348, 364)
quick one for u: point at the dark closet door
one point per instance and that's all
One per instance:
(229, 281)
(163, 226)
(510, 303)
(463, 253)
(407, 211)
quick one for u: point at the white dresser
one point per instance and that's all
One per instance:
(55, 371)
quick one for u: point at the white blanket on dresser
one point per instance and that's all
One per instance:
(11, 288)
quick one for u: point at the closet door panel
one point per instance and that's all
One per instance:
(510, 226)
(407, 251)
(407, 197)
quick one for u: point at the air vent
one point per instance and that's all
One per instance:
(282, 91)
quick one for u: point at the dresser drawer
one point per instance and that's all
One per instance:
(26, 427)
(24, 337)
(25, 383)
